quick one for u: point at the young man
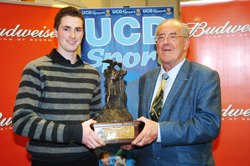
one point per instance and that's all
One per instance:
(181, 131)
(104, 157)
(58, 98)
(121, 158)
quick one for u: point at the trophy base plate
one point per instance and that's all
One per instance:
(118, 132)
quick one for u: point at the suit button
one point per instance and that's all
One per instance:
(155, 158)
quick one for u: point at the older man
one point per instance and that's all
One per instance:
(180, 104)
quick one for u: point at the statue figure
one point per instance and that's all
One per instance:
(122, 96)
(114, 109)
(111, 76)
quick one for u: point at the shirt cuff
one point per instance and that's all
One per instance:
(159, 134)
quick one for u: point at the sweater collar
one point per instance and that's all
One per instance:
(57, 57)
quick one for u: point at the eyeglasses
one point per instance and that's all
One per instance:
(170, 37)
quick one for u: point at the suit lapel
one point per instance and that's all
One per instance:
(178, 85)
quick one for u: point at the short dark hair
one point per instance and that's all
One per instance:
(67, 11)
(123, 156)
(101, 155)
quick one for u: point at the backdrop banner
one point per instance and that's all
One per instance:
(25, 34)
(125, 35)
(220, 39)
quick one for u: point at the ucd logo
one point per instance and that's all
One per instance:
(138, 12)
(168, 11)
(107, 13)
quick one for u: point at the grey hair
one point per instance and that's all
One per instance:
(185, 28)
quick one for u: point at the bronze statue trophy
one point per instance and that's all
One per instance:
(115, 124)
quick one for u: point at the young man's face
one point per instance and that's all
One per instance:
(106, 160)
(70, 33)
(119, 159)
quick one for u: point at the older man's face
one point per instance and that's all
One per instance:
(171, 52)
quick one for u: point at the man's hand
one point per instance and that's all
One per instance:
(89, 137)
(149, 133)
(126, 146)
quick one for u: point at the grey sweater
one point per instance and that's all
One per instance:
(53, 99)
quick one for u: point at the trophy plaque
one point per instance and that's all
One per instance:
(115, 123)
(118, 132)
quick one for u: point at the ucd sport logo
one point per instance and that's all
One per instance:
(168, 11)
(107, 13)
(138, 12)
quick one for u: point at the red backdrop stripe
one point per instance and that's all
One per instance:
(25, 34)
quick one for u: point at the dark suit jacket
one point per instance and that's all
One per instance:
(190, 119)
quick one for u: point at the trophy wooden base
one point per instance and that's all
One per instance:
(118, 132)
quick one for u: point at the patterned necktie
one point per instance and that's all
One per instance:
(158, 104)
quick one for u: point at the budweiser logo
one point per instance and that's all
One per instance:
(202, 28)
(229, 111)
(18, 32)
(4, 122)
